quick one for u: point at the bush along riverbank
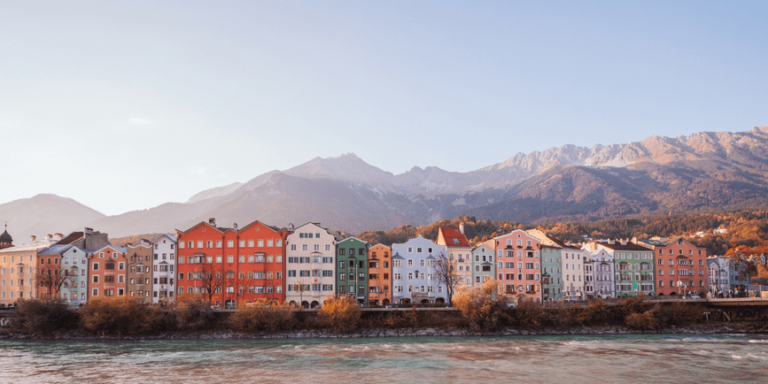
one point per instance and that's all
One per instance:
(480, 313)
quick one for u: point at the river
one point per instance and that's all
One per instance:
(540, 359)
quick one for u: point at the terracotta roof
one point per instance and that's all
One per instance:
(71, 238)
(454, 238)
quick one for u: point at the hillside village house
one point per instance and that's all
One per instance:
(352, 269)
(483, 266)
(414, 278)
(163, 269)
(519, 265)
(107, 276)
(310, 279)
(140, 271)
(379, 275)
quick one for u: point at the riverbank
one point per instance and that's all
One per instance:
(718, 328)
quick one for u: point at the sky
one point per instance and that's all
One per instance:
(128, 105)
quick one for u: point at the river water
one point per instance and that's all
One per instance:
(540, 359)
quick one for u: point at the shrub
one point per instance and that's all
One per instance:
(193, 313)
(632, 305)
(529, 314)
(402, 319)
(562, 315)
(597, 312)
(340, 313)
(116, 315)
(263, 318)
(679, 313)
(642, 321)
(481, 307)
(43, 316)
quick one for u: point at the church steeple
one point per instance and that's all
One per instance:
(6, 240)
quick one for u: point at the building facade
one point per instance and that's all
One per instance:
(718, 270)
(483, 264)
(139, 271)
(352, 269)
(74, 267)
(680, 266)
(518, 263)
(633, 267)
(231, 266)
(18, 273)
(552, 276)
(459, 252)
(164, 269)
(310, 279)
(379, 275)
(414, 277)
(598, 271)
(107, 272)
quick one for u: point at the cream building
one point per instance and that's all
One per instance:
(311, 265)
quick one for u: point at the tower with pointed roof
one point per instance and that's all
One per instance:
(6, 241)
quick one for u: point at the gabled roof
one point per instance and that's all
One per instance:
(272, 228)
(380, 244)
(397, 256)
(624, 247)
(112, 247)
(350, 239)
(71, 238)
(169, 237)
(453, 237)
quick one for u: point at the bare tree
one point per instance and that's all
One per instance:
(210, 280)
(53, 280)
(741, 264)
(300, 288)
(445, 269)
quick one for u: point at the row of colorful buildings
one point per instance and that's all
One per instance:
(304, 265)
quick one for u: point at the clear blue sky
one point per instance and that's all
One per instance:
(185, 96)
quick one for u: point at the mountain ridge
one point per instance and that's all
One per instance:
(704, 170)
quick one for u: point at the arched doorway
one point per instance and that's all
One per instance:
(439, 300)
(405, 301)
(424, 301)
(385, 302)
(673, 294)
(660, 294)
(315, 304)
(305, 304)
(292, 303)
(229, 304)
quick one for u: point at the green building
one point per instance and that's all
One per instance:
(633, 266)
(352, 269)
(552, 276)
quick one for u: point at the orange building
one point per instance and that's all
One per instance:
(106, 272)
(379, 275)
(234, 265)
(681, 266)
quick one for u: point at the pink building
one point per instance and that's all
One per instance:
(518, 257)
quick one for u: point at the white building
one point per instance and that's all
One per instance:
(163, 269)
(310, 267)
(599, 267)
(414, 279)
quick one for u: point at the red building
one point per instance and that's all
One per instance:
(518, 255)
(234, 265)
(681, 266)
(106, 272)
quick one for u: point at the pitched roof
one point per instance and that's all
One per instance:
(624, 247)
(454, 238)
(71, 238)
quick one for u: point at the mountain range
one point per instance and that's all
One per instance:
(702, 171)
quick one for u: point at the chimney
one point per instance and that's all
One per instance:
(212, 221)
(623, 241)
(48, 237)
(234, 226)
(461, 227)
(58, 236)
(34, 238)
(610, 241)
